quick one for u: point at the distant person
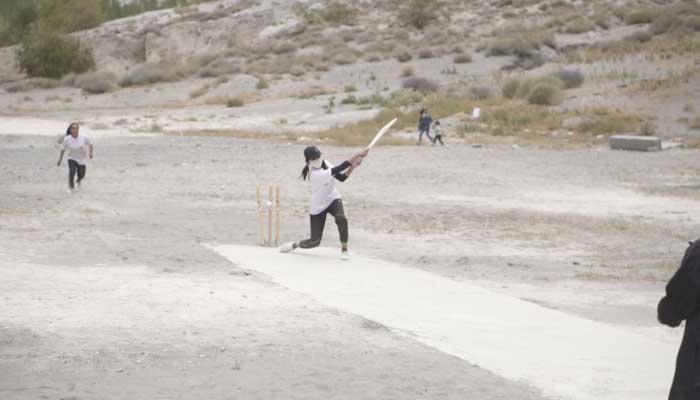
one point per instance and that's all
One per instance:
(682, 302)
(76, 146)
(437, 131)
(424, 122)
(325, 197)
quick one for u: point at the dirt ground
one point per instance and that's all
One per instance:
(109, 292)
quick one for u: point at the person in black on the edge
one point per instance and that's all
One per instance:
(424, 123)
(682, 302)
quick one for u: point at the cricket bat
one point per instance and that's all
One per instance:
(381, 132)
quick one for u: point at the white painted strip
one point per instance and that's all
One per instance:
(565, 356)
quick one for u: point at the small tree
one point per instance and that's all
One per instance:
(46, 53)
(419, 13)
(71, 15)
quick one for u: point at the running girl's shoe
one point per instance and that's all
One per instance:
(288, 247)
(345, 255)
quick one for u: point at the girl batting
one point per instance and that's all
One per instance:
(325, 197)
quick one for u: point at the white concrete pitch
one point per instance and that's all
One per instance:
(565, 356)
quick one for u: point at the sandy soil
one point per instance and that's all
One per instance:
(109, 293)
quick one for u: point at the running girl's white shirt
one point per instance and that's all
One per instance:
(76, 148)
(323, 190)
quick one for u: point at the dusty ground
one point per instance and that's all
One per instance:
(109, 293)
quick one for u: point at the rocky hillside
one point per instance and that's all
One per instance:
(553, 68)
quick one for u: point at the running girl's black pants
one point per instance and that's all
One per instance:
(74, 167)
(318, 222)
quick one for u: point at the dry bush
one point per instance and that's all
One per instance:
(545, 94)
(408, 70)
(284, 47)
(510, 88)
(422, 85)
(639, 37)
(480, 92)
(165, 71)
(297, 71)
(404, 98)
(404, 56)
(426, 53)
(373, 57)
(345, 58)
(218, 68)
(262, 83)
(333, 13)
(234, 102)
(313, 91)
(96, 82)
(419, 13)
(579, 25)
(199, 92)
(463, 58)
(32, 84)
(641, 16)
(572, 78)
(602, 121)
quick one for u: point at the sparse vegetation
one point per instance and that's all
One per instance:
(333, 13)
(602, 121)
(419, 13)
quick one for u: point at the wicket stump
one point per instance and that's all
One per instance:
(271, 209)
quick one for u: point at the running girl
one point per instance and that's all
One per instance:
(325, 197)
(75, 144)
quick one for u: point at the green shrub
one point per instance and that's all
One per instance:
(334, 13)
(15, 18)
(234, 102)
(545, 94)
(46, 53)
(602, 121)
(419, 13)
(579, 25)
(71, 15)
(262, 83)
(350, 99)
(510, 88)
(640, 16)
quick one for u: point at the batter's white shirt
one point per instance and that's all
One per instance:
(76, 148)
(323, 190)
